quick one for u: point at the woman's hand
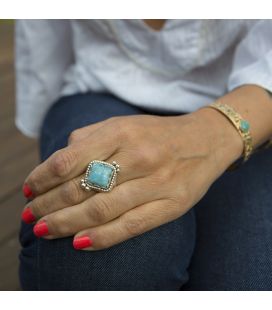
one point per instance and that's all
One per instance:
(167, 165)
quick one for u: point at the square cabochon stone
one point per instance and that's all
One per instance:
(100, 175)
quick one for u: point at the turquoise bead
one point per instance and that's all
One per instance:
(100, 175)
(244, 125)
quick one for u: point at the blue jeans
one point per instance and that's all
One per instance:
(223, 243)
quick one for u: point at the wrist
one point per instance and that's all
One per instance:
(224, 138)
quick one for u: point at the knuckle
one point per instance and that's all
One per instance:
(74, 136)
(183, 198)
(58, 225)
(103, 242)
(38, 208)
(145, 158)
(161, 177)
(100, 210)
(33, 182)
(71, 192)
(62, 161)
(121, 130)
(133, 225)
(113, 119)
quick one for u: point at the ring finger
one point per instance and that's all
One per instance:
(70, 192)
(62, 196)
(98, 209)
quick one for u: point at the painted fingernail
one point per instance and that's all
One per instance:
(82, 242)
(27, 216)
(27, 191)
(41, 229)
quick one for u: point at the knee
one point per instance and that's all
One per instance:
(156, 260)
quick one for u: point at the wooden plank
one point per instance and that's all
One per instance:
(10, 213)
(7, 70)
(7, 127)
(7, 95)
(6, 42)
(15, 171)
(9, 280)
(15, 144)
(18, 155)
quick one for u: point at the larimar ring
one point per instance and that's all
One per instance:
(100, 176)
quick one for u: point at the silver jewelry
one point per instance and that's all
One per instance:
(100, 176)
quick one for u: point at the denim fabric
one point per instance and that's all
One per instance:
(223, 243)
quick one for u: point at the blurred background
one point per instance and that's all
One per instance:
(18, 156)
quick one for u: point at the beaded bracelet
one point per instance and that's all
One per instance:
(240, 124)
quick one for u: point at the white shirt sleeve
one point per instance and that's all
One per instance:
(43, 54)
(253, 58)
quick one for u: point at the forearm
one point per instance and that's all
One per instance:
(254, 104)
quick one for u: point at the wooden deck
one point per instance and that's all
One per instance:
(18, 155)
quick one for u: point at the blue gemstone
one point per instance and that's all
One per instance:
(100, 175)
(244, 125)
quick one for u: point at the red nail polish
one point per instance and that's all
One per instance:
(27, 216)
(82, 242)
(27, 191)
(41, 229)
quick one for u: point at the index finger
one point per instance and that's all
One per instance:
(71, 161)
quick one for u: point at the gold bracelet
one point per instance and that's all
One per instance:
(240, 124)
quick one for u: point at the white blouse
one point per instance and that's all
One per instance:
(185, 65)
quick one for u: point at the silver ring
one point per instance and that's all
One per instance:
(100, 176)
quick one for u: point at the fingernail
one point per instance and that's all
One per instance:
(27, 191)
(41, 229)
(82, 242)
(27, 216)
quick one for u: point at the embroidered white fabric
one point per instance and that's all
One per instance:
(185, 65)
